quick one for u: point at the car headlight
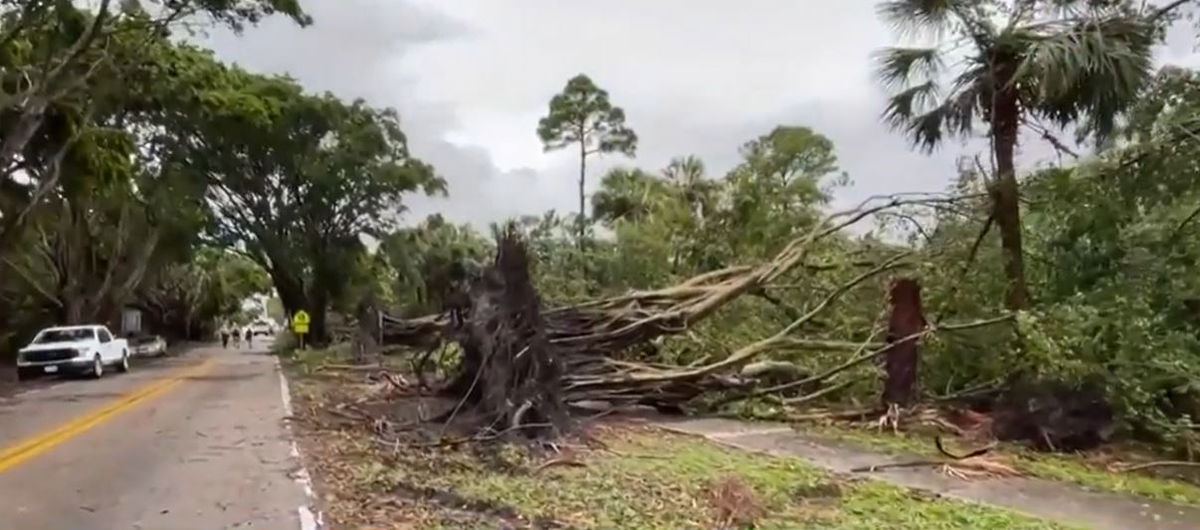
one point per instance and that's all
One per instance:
(81, 352)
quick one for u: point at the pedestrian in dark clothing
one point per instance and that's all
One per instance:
(249, 338)
(224, 338)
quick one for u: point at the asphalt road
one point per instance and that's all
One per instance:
(192, 441)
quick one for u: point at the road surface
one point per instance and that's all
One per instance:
(192, 441)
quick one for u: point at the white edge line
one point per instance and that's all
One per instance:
(751, 432)
(309, 519)
(284, 393)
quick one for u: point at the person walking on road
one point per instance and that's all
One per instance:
(249, 338)
(237, 338)
(225, 336)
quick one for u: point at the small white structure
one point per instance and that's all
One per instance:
(131, 321)
(256, 306)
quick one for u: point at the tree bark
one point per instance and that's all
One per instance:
(1005, 194)
(19, 136)
(582, 198)
(291, 291)
(72, 314)
(319, 311)
(901, 358)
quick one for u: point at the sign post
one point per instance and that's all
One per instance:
(300, 325)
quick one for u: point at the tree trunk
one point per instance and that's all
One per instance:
(291, 292)
(901, 359)
(29, 121)
(1005, 195)
(319, 312)
(72, 310)
(582, 197)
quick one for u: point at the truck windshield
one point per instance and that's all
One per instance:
(64, 335)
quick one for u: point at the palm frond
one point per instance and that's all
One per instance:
(903, 66)
(907, 103)
(920, 16)
(926, 127)
(1091, 71)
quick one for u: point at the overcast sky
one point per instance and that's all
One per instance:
(471, 78)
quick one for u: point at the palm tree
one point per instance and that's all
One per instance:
(1008, 64)
(625, 194)
(687, 175)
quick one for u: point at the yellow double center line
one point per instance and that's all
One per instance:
(40, 443)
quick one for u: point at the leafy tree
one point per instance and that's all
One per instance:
(557, 258)
(1062, 62)
(111, 212)
(53, 58)
(582, 115)
(187, 298)
(97, 206)
(427, 259)
(776, 190)
(296, 179)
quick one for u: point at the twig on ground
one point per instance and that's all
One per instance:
(836, 414)
(557, 462)
(1125, 468)
(348, 367)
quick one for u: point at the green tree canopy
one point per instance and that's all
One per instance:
(581, 115)
(56, 58)
(296, 179)
(429, 258)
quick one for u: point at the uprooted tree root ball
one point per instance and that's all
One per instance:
(510, 374)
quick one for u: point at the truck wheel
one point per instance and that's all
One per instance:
(97, 367)
(124, 366)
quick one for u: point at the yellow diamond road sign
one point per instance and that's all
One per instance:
(300, 322)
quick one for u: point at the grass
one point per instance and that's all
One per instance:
(1073, 468)
(637, 477)
(309, 359)
(655, 480)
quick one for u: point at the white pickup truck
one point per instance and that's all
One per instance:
(73, 349)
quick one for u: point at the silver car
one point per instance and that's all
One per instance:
(147, 346)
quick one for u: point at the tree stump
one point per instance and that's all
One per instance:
(901, 358)
(366, 342)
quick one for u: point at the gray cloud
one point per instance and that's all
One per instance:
(471, 78)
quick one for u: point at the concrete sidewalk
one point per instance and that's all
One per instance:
(1055, 501)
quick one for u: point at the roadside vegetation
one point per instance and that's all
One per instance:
(612, 474)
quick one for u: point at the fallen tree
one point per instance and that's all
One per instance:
(521, 367)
